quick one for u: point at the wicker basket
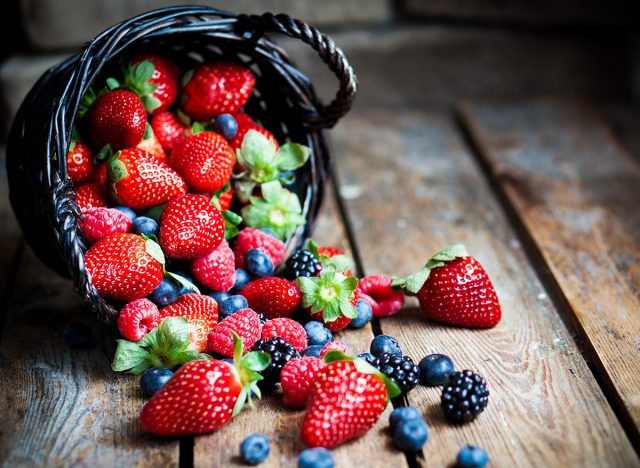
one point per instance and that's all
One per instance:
(283, 101)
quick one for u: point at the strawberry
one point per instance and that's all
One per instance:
(250, 238)
(216, 270)
(204, 395)
(80, 165)
(346, 400)
(199, 310)
(333, 256)
(216, 88)
(330, 297)
(190, 227)
(225, 199)
(245, 323)
(205, 161)
(274, 297)
(151, 145)
(100, 176)
(117, 118)
(137, 318)
(101, 222)
(334, 346)
(90, 195)
(246, 123)
(296, 378)
(385, 300)
(287, 329)
(137, 179)
(125, 267)
(168, 130)
(154, 79)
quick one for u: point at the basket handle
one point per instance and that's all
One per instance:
(330, 54)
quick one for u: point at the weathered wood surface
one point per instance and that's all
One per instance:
(576, 190)
(61, 406)
(411, 187)
(282, 425)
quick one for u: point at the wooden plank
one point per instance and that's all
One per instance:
(411, 187)
(577, 191)
(282, 425)
(61, 406)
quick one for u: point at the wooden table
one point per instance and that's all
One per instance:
(543, 193)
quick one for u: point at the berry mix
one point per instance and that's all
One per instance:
(186, 206)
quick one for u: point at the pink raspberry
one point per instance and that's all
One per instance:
(101, 222)
(137, 319)
(334, 346)
(216, 270)
(250, 238)
(245, 323)
(287, 329)
(386, 301)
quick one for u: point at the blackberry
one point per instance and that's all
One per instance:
(263, 318)
(280, 351)
(464, 396)
(400, 369)
(302, 263)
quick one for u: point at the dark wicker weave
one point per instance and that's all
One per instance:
(284, 102)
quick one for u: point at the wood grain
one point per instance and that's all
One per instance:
(577, 191)
(61, 406)
(411, 187)
(282, 425)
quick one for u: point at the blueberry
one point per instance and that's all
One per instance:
(316, 458)
(382, 344)
(411, 434)
(78, 335)
(435, 369)
(313, 350)
(227, 359)
(144, 226)
(233, 305)
(226, 126)
(166, 293)
(370, 358)
(153, 379)
(403, 413)
(254, 449)
(317, 333)
(472, 456)
(269, 233)
(185, 289)
(126, 210)
(258, 263)
(364, 314)
(219, 296)
(242, 279)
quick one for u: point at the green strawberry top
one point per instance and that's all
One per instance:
(331, 293)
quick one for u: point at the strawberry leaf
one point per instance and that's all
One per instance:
(196, 128)
(330, 293)
(105, 153)
(256, 361)
(187, 77)
(112, 83)
(292, 156)
(182, 281)
(154, 249)
(231, 222)
(128, 355)
(116, 170)
(414, 282)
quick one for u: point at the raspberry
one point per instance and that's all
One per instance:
(302, 263)
(334, 346)
(296, 378)
(216, 270)
(101, 222)
(137, 318)
(464, 396)
(245, 323)
(280, 351)
(250, 238)
(386, 301)
(287, 329)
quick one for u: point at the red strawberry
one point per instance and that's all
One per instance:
(168, 130)
(101, 222)
(327, 253)
(124, 267)
(334, 346)
(274, 297)
(137, 179)
(250, 238)
(246, 123)
(287, 329)
(190, 227)
(90, 195)
(216, 270)
(80, 165)
(217, 88)
(157, 89)
(457, 290)
(344, 403)
(296, 378)
(205, 161)
(226, 199)
(245, 323)
(137, 318)
(330, 297)
(199, 310)
(100, 176)
(117, 118)
(385, 300)
(152, 146)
